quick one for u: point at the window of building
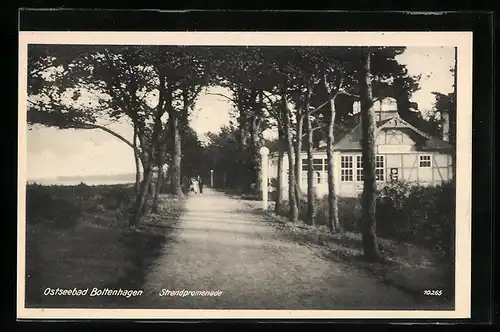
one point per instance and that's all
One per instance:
(379, 168)
(304, 171)
(425, 161)
(318, 164)
(320, 168)
(346, 168)
(359, 168)
(304, 164)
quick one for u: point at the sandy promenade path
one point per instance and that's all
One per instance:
(218, 244)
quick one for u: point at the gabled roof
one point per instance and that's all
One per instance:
(349, 138)
(397, 123)
(352, 139)
(434, 144)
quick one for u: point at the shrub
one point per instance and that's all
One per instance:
(408, 212)
(62, 206)
(349, 211)
(36, 201)
(285, 208)
(43, 207)
(421, 214)
(391, 213)
(115, 198)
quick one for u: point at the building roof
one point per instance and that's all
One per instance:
(351, 140)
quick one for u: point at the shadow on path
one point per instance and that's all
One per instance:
(218, 244)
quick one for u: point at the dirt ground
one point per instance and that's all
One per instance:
(220, 245)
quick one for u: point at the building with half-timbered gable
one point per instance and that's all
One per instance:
(403, 152)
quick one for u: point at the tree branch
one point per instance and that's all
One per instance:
(39, 70)
(343, 92)
(109, 131)
(223, 95)
(314, 129)
(195, 91)
(267, 97)
(319, 107)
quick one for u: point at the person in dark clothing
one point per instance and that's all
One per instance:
(200, 183)
(185, 184)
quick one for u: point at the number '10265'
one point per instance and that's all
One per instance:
(435, 292)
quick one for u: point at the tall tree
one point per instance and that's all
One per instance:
(369, 195)
(244, 71)
(182, 73)
(453, 116)
(311, 204)
(256, 120)
(320, 67)
(281, 145)
(130, 82)
(81, 86)
(274, 108)
(292, 182)
(286, 88)
(333, 90)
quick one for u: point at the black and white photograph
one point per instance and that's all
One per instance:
(224, 175)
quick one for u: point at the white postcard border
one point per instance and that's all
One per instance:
(463, 40)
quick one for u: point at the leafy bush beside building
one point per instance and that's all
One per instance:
(407, 212)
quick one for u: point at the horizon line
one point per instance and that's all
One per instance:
(78, 176)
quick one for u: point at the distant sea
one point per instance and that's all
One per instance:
(92, 180)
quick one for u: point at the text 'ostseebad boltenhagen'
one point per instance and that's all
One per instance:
(93, 292)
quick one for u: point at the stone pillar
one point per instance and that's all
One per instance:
(264, 152)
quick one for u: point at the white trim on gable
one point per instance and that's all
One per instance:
(394, 122)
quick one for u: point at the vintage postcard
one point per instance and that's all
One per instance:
(244, 175)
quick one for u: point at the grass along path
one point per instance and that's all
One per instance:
(100, 251)
(410, 268)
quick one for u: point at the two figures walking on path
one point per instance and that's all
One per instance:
(193, 184)
(196, 185)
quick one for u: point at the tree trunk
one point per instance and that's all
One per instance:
(298, 159)
(242, 119)
(159, 181)
(169, 178)
(137, 213)
(243, 171)
(310, 172)
(176, 155)
(279, 178)
(243, 128)
(294, 212)
(254, 139)
(137, 164)
(147, 207)
(243, 138)
(256, 154)
(333, 210)
(244, 178)
(369, 196)
(453, 120)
